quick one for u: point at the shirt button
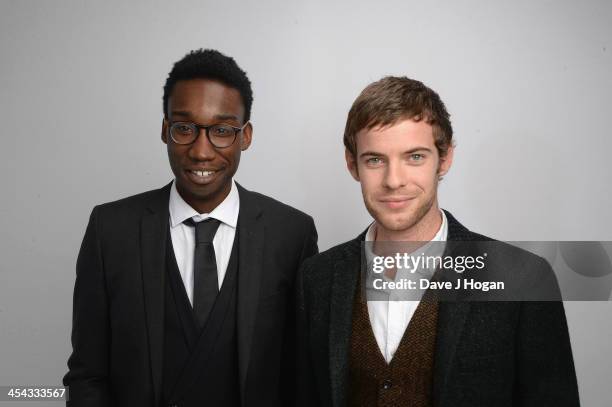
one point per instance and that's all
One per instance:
(386, 385)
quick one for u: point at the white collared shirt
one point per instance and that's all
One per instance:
(183, 236)
(389, 319)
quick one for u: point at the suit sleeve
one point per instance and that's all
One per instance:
(87, 377)
(305, 381)
(308, 249)
(545, 366)
(305, 384)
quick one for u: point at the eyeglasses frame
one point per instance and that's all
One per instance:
(199, 127)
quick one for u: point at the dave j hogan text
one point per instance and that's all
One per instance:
(425, 284)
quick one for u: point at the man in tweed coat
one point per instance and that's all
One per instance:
(357, 352)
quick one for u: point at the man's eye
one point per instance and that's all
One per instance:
(374, 161)
(183, 128)
(222, 131)
(416, 157)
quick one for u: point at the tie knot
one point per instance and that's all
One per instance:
(205, 230)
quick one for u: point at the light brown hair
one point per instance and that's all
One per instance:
(391, 99)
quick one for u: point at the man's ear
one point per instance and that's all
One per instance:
(351, 164)
(164, 131)
(246, 137)
(446, 162)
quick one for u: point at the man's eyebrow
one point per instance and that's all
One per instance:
(226, 117)
(180, 113)
(417, 149)
(411, 151)
(370, 153)
(222, 116)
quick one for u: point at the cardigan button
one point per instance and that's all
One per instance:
(386, 385)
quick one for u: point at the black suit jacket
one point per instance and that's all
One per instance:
(118, 315)
(487, 354)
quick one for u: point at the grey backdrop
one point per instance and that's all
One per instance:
(527, 84)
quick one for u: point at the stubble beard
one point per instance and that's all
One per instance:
(406, 221)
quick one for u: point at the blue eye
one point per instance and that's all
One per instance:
(374, 160)
(416, 157)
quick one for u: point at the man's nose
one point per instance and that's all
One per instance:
(202, 149)
(395, 175)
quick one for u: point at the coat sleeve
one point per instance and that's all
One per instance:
(545, 366)
(87, 377)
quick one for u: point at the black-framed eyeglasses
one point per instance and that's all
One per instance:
(220, 135)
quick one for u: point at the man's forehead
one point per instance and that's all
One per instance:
(194, 96)
(406, 133)
(202, 87)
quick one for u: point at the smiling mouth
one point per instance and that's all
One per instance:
(201, 176)
(203, 173)
(396, 203)
(397, 199)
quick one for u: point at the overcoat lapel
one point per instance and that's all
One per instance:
(451, 317)
(251, 232)
(346, 269)
(153, 232)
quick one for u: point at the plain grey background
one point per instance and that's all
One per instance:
(527, 84)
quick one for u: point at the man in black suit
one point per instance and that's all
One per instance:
(358, 350)
(183, 294)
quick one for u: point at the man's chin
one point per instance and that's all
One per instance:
(199, 191)
(394, 222)
(396, 225)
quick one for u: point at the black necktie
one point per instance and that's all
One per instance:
(205, 281)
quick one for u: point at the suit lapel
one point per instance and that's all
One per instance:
(452, 316)
(346, 269)
(250, 266)
(153, 232)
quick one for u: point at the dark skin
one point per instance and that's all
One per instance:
(205, 102)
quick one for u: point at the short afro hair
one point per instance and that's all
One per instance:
(210, 64)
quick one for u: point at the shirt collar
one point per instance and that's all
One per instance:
(441, 234)
(226, 211)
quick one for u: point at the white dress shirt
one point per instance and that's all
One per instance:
(183, 236)
(389, 319)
